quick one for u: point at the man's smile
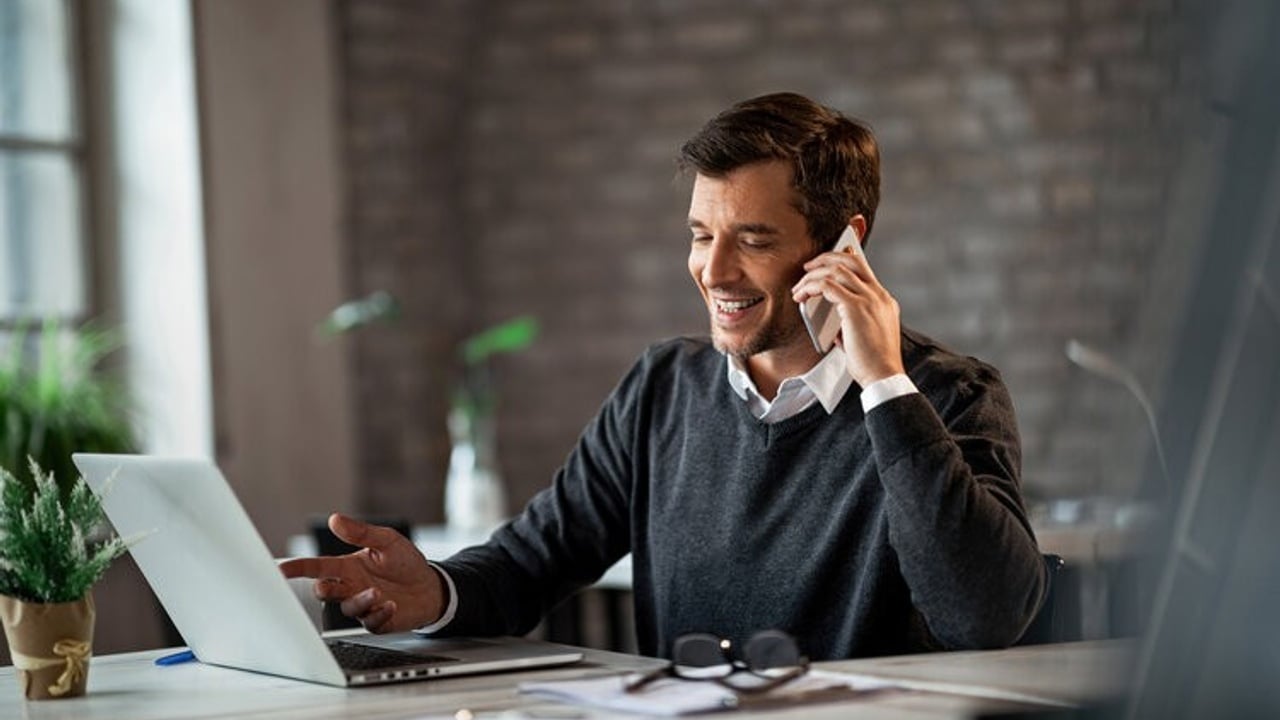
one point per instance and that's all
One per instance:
(737, 305)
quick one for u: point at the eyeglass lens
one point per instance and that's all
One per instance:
(770, 649)
(701, 655)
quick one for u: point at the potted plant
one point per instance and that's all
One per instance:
(52, 550)
(54, 400)
(474, 497)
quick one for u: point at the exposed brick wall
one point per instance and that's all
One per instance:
(403, 109)
(515, 157)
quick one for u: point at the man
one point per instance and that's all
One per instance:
(755, 486)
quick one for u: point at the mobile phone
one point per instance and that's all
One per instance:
(820, 318)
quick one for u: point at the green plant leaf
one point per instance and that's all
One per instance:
(510, 336)
(51, 550)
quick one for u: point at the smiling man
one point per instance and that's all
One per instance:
(865, 500)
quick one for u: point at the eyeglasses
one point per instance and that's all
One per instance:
(771, 657)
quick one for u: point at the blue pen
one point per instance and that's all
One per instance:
(176, 658)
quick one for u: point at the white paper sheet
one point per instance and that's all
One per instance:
(671, 696)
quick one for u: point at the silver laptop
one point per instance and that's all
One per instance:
(215, 577)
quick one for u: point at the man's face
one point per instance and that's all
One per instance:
(749, 246)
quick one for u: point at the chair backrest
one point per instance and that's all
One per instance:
(1047, 627)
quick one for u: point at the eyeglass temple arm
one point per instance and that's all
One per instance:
(645, 679)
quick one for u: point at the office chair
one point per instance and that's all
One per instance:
(1049, 623)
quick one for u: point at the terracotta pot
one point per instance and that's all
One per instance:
(50, 644)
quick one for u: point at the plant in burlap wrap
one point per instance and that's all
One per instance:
(52, 551)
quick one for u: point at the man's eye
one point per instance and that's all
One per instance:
(701, 239)
(756, 243)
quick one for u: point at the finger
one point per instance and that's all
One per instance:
(378, 619)
(314, 567)
(803, 292)
(362, 534)
(842, 297)
(360, 604)
(840, 273)
(848, 272)
(850, 258)
(819, 282)
(806, 289)
(333, 589)
(851, 263)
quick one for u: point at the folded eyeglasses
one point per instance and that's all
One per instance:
(770, 658)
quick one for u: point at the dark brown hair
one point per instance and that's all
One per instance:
(835, 161)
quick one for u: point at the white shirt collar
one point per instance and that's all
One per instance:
(827, 382)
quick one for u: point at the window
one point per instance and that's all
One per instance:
(42, 153)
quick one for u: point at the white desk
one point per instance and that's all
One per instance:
(130, 687)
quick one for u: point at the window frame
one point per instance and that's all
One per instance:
(78, 150)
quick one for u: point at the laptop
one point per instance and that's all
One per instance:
(212, 571)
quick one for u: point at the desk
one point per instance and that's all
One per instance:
(130, 687)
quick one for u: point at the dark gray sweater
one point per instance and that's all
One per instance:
(899, 532)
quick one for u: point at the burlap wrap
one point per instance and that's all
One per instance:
(50, 645)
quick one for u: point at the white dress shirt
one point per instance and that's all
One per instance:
(825, 383)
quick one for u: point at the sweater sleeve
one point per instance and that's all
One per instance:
(563, 540)
(949, 465)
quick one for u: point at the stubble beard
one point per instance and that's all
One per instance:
(773, 335)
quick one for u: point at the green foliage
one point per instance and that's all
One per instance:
(475, 396)
(511, 336)
(59, 403)
(51, 550)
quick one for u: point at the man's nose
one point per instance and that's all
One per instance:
(722, 265)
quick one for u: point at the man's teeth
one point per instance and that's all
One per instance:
(736, 305)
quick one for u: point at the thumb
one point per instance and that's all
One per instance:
(362, 534)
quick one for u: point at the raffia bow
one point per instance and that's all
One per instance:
(74, 654)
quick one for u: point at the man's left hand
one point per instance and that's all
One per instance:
(870, 330)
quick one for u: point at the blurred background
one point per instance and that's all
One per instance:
(214, 177)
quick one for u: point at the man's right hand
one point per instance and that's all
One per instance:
(387, 585)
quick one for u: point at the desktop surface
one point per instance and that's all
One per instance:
(130, 686)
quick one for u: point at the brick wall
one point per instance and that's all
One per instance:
(515, 157)
(403, 110)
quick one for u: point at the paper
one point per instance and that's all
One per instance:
(672, 696)
(967, 689)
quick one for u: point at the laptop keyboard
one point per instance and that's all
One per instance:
(354, 656)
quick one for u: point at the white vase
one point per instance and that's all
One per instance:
(474, 499)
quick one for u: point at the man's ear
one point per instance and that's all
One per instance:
(859, 225)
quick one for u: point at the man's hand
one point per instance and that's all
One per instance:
(870, 330)
(387, 585)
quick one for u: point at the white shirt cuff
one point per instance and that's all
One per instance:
(886, 389)
(449, 611)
